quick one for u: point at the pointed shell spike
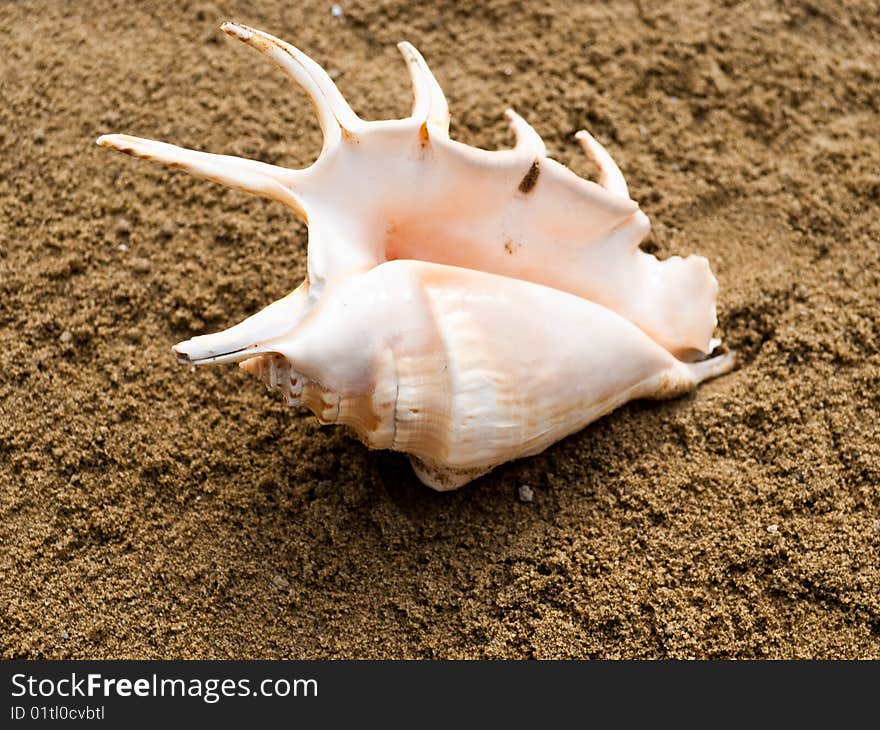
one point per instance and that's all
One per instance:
(526, 137)
(610, 176)
(429, 102)
(250, 176)
(239, 341)
(334, 114)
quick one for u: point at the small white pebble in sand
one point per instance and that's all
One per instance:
(65, 635)
(772, 529)
(123, 247)
(336, 11)
(876, 525)
(525, 493)
(66, 337)
(280, 582)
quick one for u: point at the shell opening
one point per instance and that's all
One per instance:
(277, 374)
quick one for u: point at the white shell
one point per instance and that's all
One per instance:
(464, 306)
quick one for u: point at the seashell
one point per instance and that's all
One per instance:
(464, 306)
(459, 369)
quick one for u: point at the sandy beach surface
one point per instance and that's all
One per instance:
(150, 512)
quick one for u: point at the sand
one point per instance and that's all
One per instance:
(146, 511)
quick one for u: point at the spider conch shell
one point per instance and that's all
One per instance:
(465, 306)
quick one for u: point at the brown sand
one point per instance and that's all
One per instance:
(149, 512)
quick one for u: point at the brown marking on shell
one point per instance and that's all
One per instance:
(530, 179)
(424, 137)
